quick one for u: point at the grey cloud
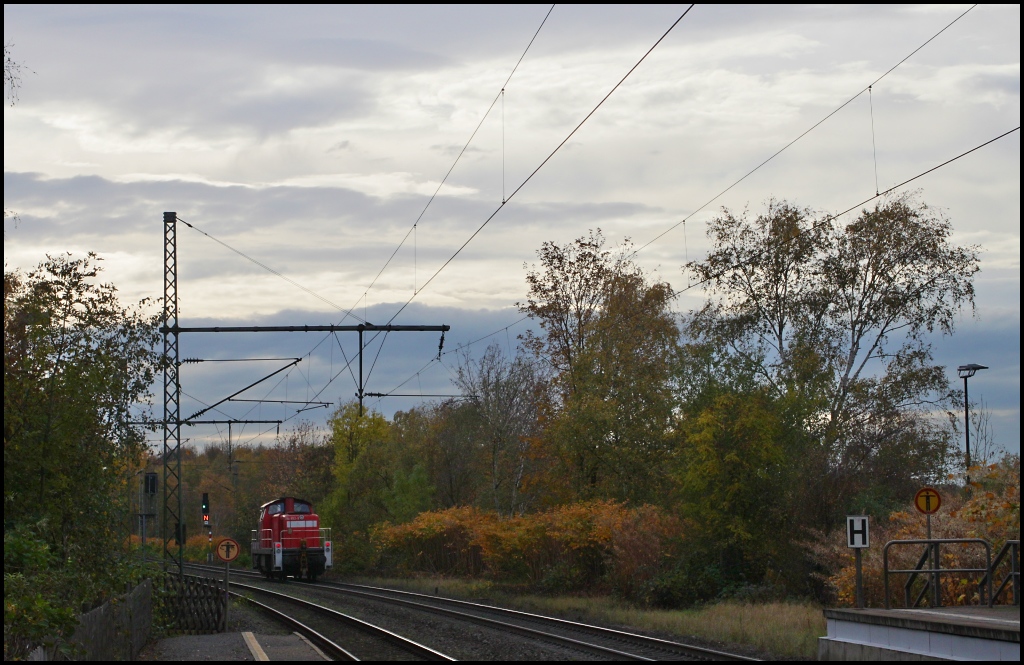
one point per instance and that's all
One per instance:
(361, 54)
(453, 149)
(99, 206)
(1006, 83)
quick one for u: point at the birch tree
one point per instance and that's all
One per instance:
(836, 321)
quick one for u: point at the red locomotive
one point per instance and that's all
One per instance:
(289, 541)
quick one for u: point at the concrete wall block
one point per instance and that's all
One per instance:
(829, 649)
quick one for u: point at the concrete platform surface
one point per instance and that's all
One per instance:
(233, 646)
(943, 633)
(995, 623)
(283, 647)
(1009, 614)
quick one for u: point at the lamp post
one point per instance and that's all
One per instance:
(966, 372)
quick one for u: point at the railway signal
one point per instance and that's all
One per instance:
(151, 481)
(206, 509)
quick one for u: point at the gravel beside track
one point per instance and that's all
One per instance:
(243, 617)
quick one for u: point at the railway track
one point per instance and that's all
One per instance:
(327, 626)
(600, 640)
(594, 641)
(330, 648)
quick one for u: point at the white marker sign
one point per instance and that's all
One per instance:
(857, 531)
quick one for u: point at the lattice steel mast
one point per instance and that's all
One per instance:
(171, 524)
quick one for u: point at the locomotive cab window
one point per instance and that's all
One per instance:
(302, 508)
(275, 509)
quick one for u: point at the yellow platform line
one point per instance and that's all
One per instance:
(254, 647)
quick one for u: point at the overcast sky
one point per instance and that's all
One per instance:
(311, 138)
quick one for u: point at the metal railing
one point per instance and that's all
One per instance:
(932, 574)
(1011, 547)
(266, 538)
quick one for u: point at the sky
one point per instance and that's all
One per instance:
(311, 140)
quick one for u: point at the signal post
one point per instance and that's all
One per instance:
(206, 525)
(227, 551)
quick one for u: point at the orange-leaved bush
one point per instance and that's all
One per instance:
(598, 545)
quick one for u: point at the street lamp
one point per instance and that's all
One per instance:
(966, 372)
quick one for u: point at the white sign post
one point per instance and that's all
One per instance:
(857, 538)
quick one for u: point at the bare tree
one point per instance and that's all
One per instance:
(12, 84)
(12, 75)
(986, 449)
(504, 393)
(452, 452)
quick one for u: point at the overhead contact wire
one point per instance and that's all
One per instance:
(271, 270)
(461, 152)
(698, 283)
(546, 159)
(867, 200)
(521, 185)
(413, 228)
(805, 133)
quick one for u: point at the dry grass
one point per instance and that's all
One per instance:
(782, 629)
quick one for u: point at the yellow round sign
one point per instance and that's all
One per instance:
(927, 500)
(227, 550)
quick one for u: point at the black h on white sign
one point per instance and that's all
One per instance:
(857, 531)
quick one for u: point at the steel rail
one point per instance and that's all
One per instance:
(403, 643)
(330, 648)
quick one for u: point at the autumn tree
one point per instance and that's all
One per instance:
(608, 337)
(834, 321)
(77, 363)
(354, 435)
(305, 467)
(732, 462)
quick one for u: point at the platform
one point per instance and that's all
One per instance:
(943, 633)
(235, 646)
